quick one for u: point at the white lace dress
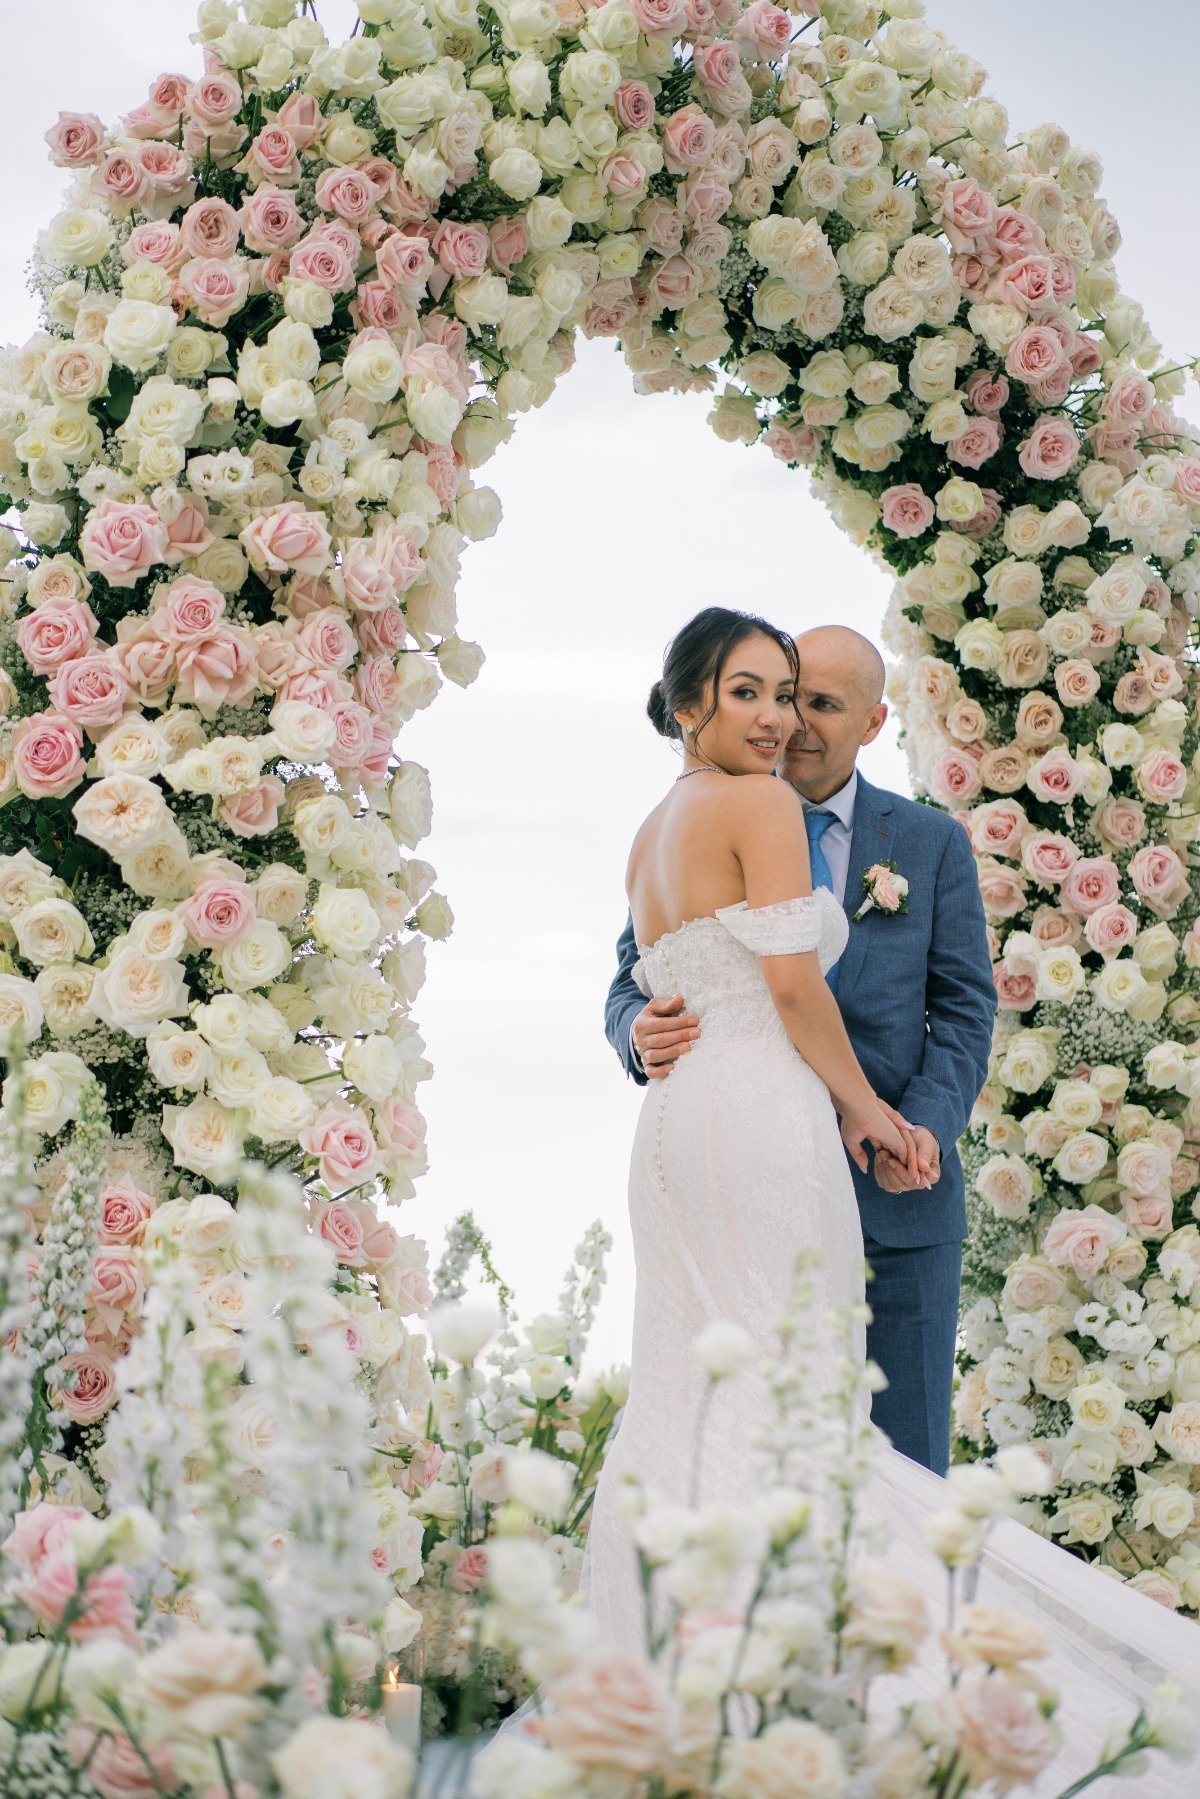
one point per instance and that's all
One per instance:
(737, 1167)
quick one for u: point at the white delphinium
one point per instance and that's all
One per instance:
(18, 1194)
(583, 1286)
(60, 1284)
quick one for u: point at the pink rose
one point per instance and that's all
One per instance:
(340, 1138)
(421, 1469)
(1015, 992)
(102, 1604)
(1055, 777)
(355, 735)
(91, 690)
(1051, 450)
(1015, 234)
(1027, 284)
(317, 686)
(1116, 443)
(1076, 681)
(719, 68)
(662, 225)
(1162, 777)
(286, 537)
(1048, 858)
(219, 912)
(1160, 878)
(270, 221)
(217, 670)
(215, 287)
(154, 241)
(168, 176)
(1003, 1735)
(376, 306)
(704, 197)
(326, 640)
(346, 192)
(508, 241)
(1133, 694)
(967, 213)
(147, 660)
(622, 176)
(793, 443)
(987, 392)
(339, 1225)
(215, 99)
(996, 828)
(1054, 928)
(45, 756)
(763, 28)
(94, 1391)
(907, 510)
(1080, 1240)
(1121, 822)
(255, 812)
(272, 158)
(954, 779)
(302, 118)
(376, 763)
(1053, 389)
(76, 140)
(687, 139)
(1129, 399)
(1001, 889)
(327, 263)
(1149, 1215)
(185, 516)
(56, 633)
(121, 183)
(122, 542)
(462, 250)
(610, 307)
(1110, 929)
(977, 444)
(124, 1209)
(209, 228)
(633, 104)
(468, 1572)
(1035, 354)
(191, 611)
(116, 1769)
(43, 1530)
(407, 263)
(116, 1289)
(377, 685)
(612, 1710)
(1093, 882)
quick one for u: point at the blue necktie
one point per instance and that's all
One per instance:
(816, 824)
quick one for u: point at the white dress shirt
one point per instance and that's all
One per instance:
(836, 840)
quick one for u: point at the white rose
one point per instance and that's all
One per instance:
(53, 1085)
(374, 369)
(541, 1483)
(1082, 1157)
(81, 236)
(64, 992)
(258, 957)
(137, 333)
(50, 931)
(136, 990)
(280, 893)
(204, 1137)
(344, 921)
(178, 1058)
(373, 1065)
(281, 1109)
(327, 1756)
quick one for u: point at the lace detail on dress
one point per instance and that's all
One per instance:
(788, 928)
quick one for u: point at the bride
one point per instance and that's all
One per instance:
(738, 1167)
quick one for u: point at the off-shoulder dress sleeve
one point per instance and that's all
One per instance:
(787, 928)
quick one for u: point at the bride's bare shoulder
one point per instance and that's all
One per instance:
(763, 797)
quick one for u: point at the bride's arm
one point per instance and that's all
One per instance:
(767, 836)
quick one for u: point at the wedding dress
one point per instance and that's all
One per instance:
(737, 1168)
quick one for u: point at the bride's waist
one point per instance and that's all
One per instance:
(739, 1016)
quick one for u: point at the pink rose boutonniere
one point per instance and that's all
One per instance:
(884, 889)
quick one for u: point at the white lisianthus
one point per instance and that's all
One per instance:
(462, 1330)
(723, 1349)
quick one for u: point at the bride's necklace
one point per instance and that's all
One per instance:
(705, 768)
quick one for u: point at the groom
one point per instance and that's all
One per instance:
(916, 993)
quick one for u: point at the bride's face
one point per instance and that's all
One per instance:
(753, 711)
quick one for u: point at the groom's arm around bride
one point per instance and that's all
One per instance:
(916, 993)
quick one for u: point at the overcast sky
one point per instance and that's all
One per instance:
(622, 517)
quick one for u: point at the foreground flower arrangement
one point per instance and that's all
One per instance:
(293, 302)
(767, 1624)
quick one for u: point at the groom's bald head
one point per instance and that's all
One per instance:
(839, 701)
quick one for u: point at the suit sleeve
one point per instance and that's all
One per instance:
(960, 1001)
(625, 1000)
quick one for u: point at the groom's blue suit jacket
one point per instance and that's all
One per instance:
(916, 993)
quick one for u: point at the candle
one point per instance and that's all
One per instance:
(402, 1711)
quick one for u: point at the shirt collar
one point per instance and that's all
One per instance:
(841, 803)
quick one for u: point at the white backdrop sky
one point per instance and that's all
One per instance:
(622, 517)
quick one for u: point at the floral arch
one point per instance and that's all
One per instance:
(292, 305)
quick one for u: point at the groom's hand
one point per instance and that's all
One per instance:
(662, 1032)
(894, 1177)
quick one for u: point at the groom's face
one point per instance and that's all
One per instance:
(838, 715)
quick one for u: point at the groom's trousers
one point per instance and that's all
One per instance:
(914, 1301)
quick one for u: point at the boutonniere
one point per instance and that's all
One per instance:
(885, 890)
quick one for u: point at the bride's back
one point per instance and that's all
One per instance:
(682, 864)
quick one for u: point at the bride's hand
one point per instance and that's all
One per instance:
(882, 1127)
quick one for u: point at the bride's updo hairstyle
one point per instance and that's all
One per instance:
(696, 659)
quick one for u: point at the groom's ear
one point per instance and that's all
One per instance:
(876, 720)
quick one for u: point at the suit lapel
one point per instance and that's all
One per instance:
(870, 842)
